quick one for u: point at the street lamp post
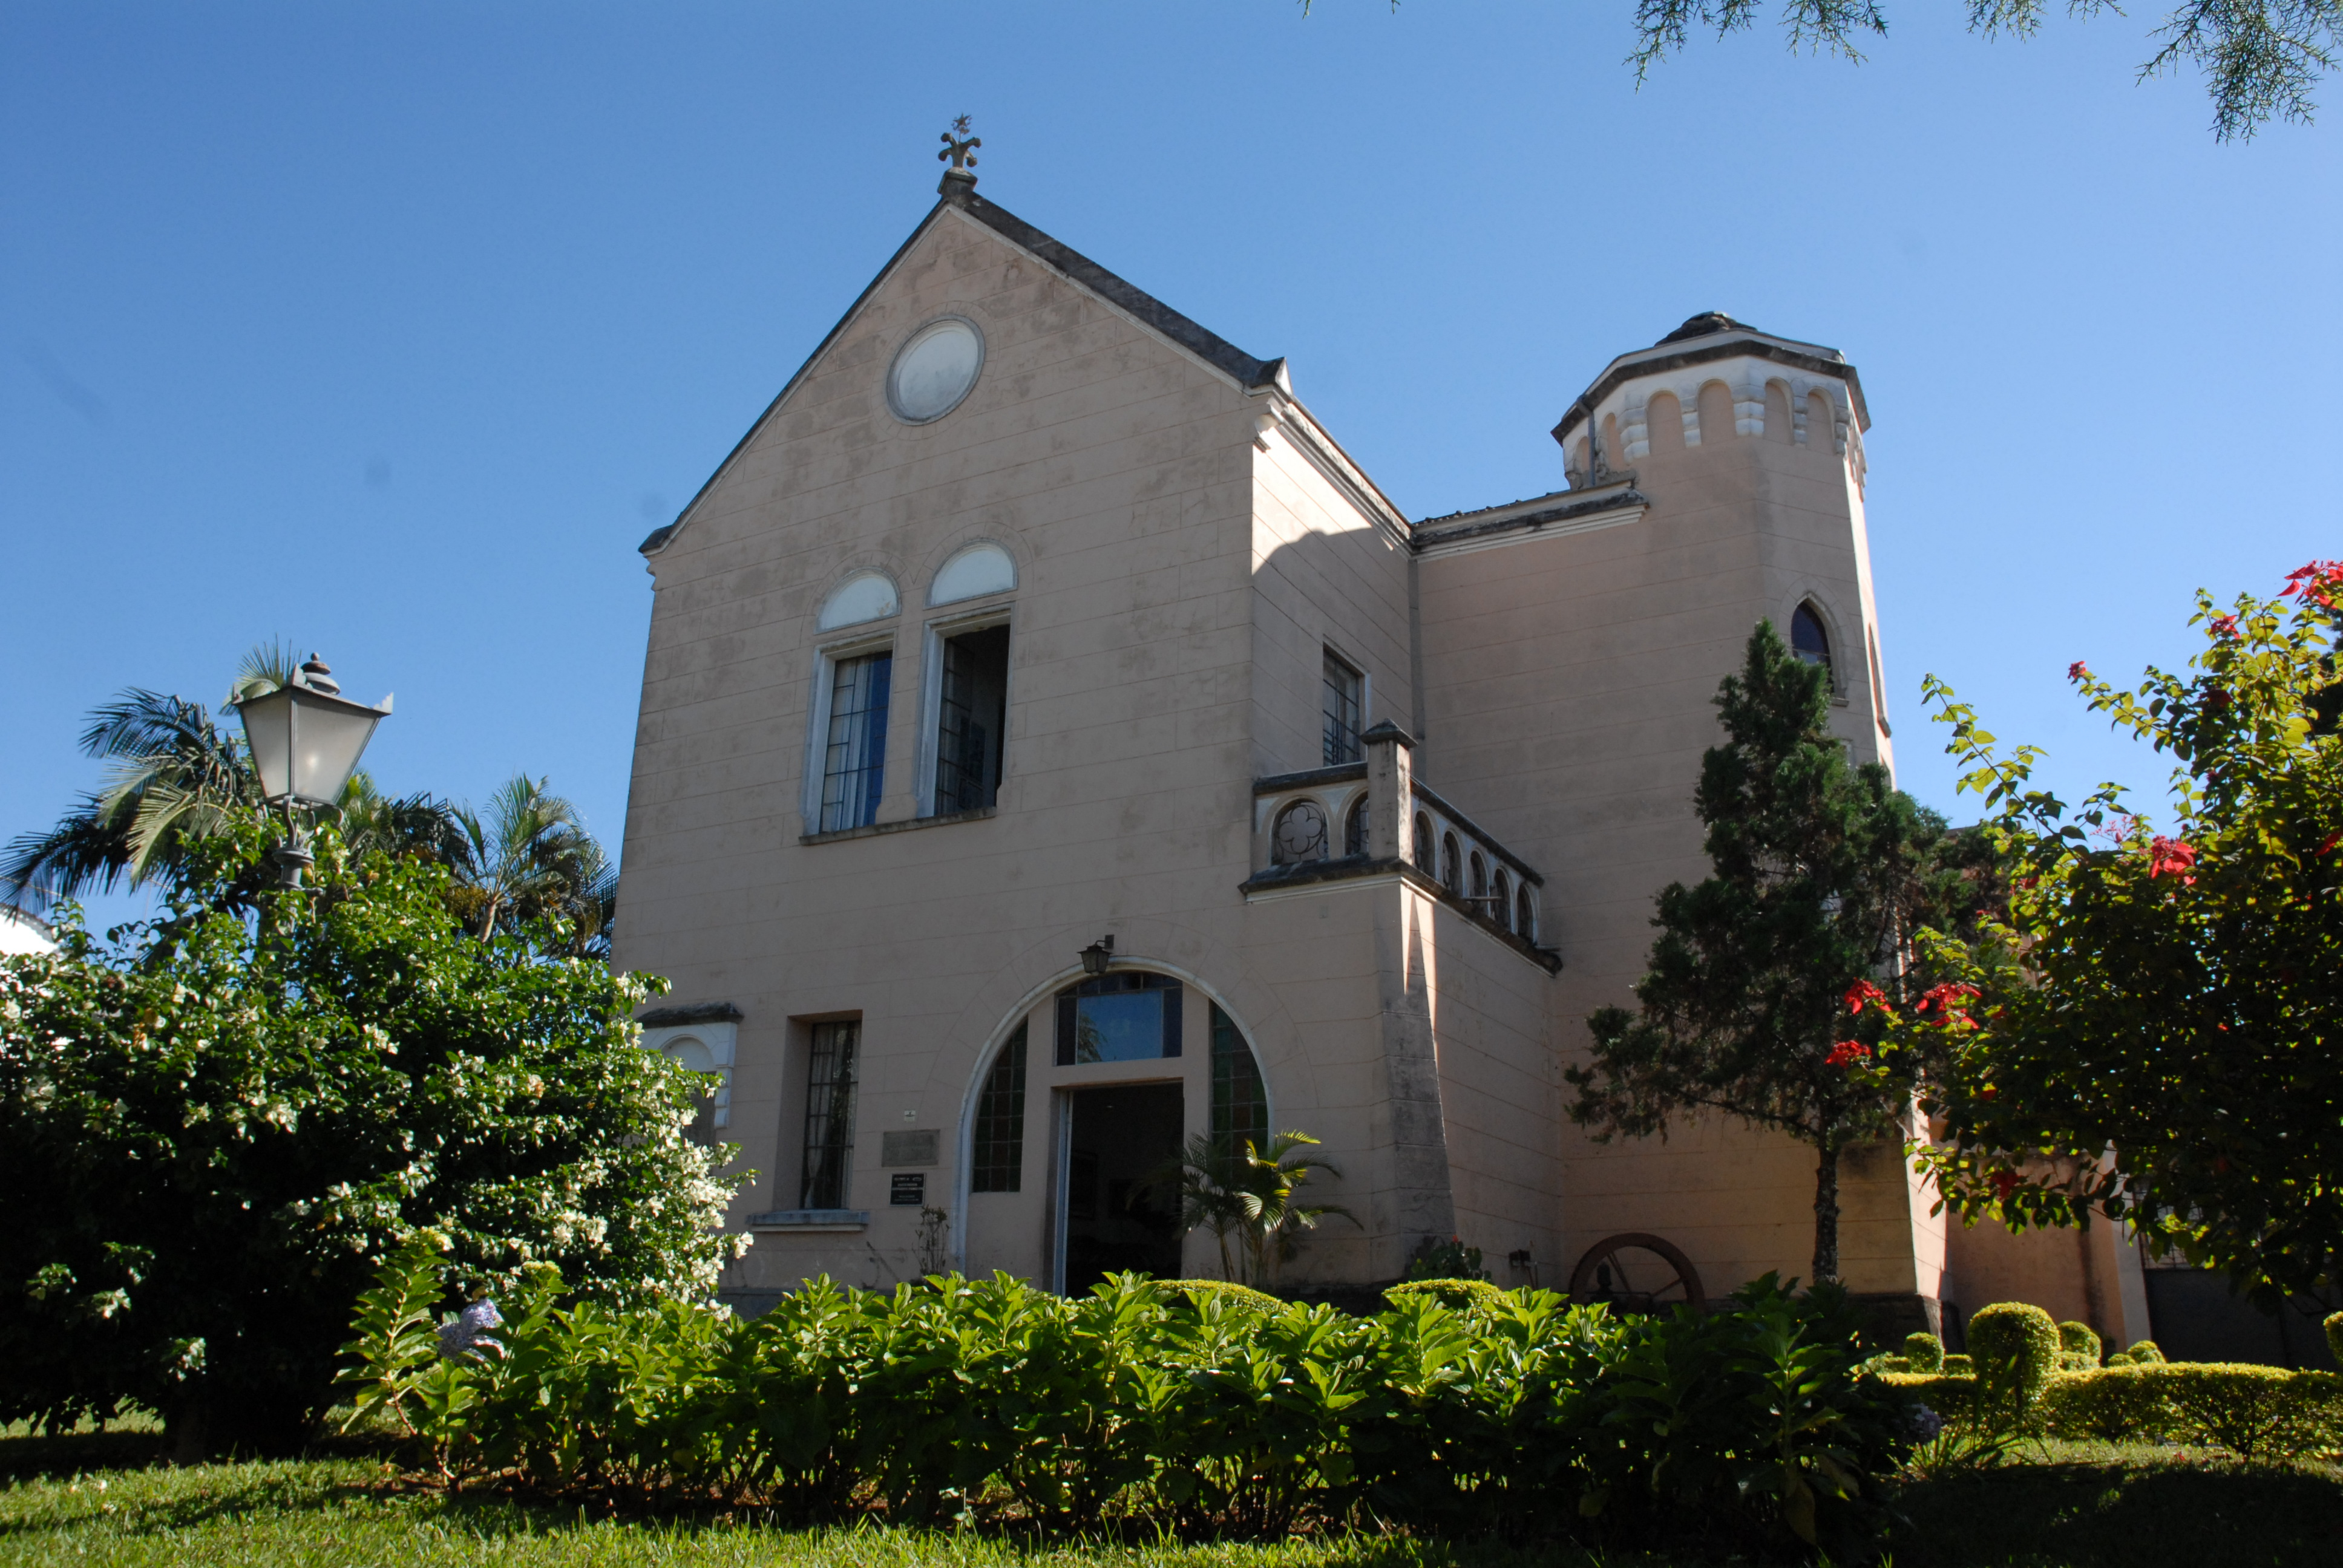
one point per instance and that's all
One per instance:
(306, 740)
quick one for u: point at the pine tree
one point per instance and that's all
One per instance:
(1820, 868)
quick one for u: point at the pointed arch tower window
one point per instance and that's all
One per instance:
(1809, 641)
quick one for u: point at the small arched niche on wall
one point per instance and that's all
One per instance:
(1716, 414)
(974, 572)
(1663, 418)
(865, 596)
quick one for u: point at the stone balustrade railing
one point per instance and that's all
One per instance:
(1334, 824)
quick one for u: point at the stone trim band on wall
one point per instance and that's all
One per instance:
(1285, 881)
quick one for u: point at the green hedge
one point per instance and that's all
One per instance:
(2254, 1411)
(1165, 1406)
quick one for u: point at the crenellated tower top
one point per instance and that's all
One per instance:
(1726, 371)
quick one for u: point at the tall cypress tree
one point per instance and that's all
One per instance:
(1820, 868)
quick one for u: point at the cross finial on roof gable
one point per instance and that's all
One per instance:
(960, 151)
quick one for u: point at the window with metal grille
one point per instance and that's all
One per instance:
(996, 1163)
(1343, 704)
(829, 1115)
(854, 762)
(1125, 1016)
(1240, 1102)
(971, 714)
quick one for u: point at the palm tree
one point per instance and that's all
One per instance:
(1250, 1195)
(530, 859)
(176, 774)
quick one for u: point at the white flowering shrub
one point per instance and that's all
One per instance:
(214, 1126)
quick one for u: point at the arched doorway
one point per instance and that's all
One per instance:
(1078, 1120)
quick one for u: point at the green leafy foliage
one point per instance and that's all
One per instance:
(1198, 1406)
(2016, 1348)
(1924, 1352)
(1457, 1294)
(213, 1128)
(1818, 866)
(2173, 993)
(1451, 1260)
(2333, 1326)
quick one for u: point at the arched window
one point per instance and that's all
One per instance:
(1452, 868)
(1777, 412)
(1355, 829)
(1480, 876)
(1300, 834)
(976, 571)
(865, 596)
(1423, 845)
(1525, 915)
(1500, 902)
(996, 1162)
(1809, 640)
(1240, 1102)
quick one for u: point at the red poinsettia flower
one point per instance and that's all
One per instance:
(2224, 625)
(1846, 1053)
(1942, 1001)
(1861, 991)
(2329, 845)
(2004, 1182)
(2218, 698)
(2079, 670)
(2170, 855)
(2318, 581)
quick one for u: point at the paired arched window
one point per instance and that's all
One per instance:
(1452, 865)
(1500, 902)
(1423, 845)
(1355, 829)
(1525, 915)
(1480, 876)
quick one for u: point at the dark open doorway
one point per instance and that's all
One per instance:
(1115, 1220)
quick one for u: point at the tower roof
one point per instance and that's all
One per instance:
(1704, 338)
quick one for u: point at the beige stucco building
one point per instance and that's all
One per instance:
(1032, 617)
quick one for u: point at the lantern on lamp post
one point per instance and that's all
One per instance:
(306, 740)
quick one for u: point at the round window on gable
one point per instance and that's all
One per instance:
(934, 370)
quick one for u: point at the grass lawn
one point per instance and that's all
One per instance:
(97, 1501)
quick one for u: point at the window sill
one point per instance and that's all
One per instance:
(811, 1219)
(839, 834)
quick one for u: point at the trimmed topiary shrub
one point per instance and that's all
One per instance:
(2143, 1354)
(2335, 1336)
(2016, 1348)
(1959, 1366)
(1228, 1290)
(1456, 1295)
(1924, 1352)
(2079, 1339)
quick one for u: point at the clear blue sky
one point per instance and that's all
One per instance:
(391, 329)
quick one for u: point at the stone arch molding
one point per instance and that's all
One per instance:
(1260, 1017)
(974, 570)
(865, 595)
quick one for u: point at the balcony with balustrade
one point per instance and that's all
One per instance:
(1326, 826)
